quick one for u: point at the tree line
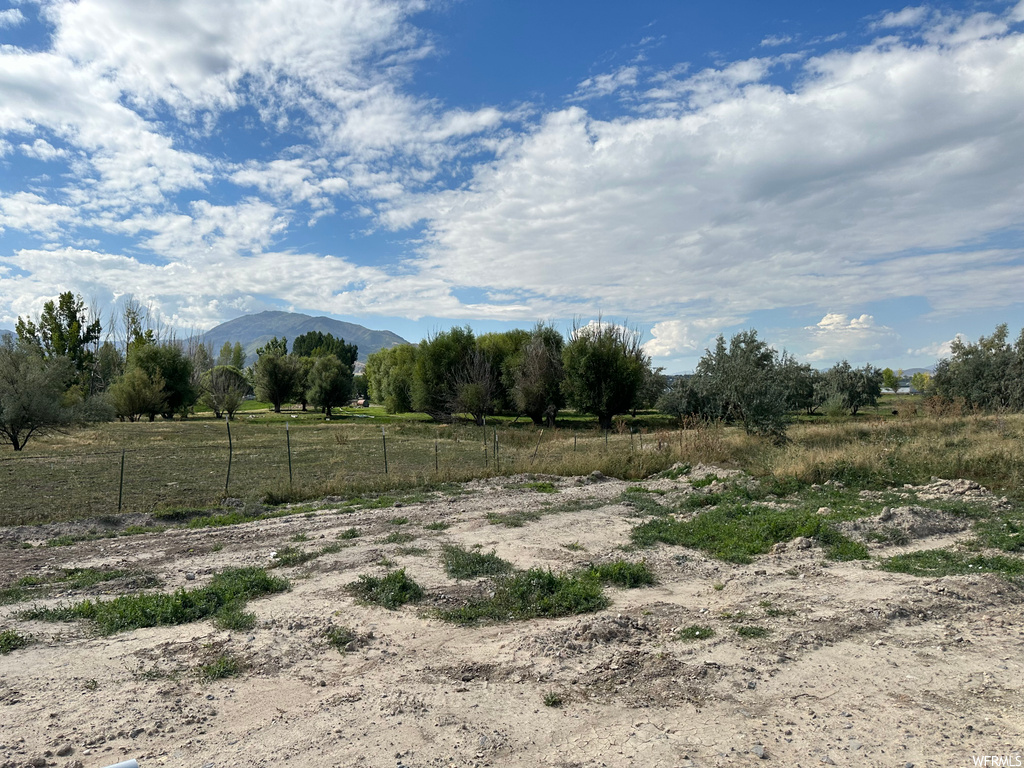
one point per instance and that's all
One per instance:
(57, 372)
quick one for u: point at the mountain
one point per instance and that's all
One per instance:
(253, 331)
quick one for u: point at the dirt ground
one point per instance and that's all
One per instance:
(859, 668)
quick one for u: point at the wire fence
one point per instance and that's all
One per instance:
(144, 467)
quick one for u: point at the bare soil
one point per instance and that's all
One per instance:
(859, 667)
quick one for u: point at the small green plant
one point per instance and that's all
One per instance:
(290, 556)
(300, 536)
(622, 573)
(532, 594)
(233, 616)
(349, 533)
(516, 519)
(462, 563)
(91, 685)
(718, 586)
(227, 589)
(770, 609)
(751, 632)
(225, 665)
(399, 520)
(12, 641)
(437, 526)
(574, 546)
(889, 535)
(390, 591)
(542, 486)
(398, 537)
(695, 632)
(339, 637)
(552, 699)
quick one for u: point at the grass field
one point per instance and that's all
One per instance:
(184, 464)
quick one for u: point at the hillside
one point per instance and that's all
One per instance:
(253, 331)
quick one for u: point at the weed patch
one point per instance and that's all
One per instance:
(942, 562)
(751, 632)
(225, 665)
(390, 591)
(462, 563)
(228, 589)
(695, 632)
(623, 574)
(12, 641)
(532, 594)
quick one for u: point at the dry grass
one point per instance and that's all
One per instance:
(171, 464)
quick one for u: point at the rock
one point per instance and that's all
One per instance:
(190, 576)
(760, 751)
(886, 514)
(36, 762)
(802, 542)
(66, 750)
(828, 760)
(597, 475)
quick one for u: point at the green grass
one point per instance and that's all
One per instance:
(516, 519)
(532, 594)
(553, 700)
(398, 537)
(1005, 531)
(399, 520)
(437, 526)
(751, 632)
(462, 563)
(349, 533)
(339, 637)
(542, 486)
(31, 587)
(942, 562)
(623, 574)
(12, 641)
(737, 532)
(225, 665)
(227, 591)
(390, 591)
(289, 556)
(695, 632)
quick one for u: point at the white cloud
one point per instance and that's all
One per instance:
(606, 84)
(937, 350)
(755, 197)
(911, 16)
(837, 335)
(11, 18)
(683, 337)
(41, 149)
(773, 41)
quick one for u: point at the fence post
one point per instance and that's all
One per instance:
(231, 451)
(497, 457)
(539, 437)
(384, 439)
(288, 437)
(120, 485)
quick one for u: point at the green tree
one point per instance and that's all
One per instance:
(329, 383)
(474, 387)
(921, 381)
(438, 360)
(537, 373)
(604, 368)
(64, 329)
(856, 387)
(502, 350)
(32, 391)
(891, 379)
(389, 377)
(168, 362)
(224, 387)
(316, 343)
(986, 374)
(136, 394)
(275, 373)
(744, 382)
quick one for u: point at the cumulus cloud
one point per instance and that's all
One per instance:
(684, 337)
(773, 41)
(12, 17)
(939, 349)
(837, 335)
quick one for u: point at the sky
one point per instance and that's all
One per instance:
(845, 178)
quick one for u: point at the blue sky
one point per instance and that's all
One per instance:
(846, 178)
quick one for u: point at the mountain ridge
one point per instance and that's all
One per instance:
(253, 331)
